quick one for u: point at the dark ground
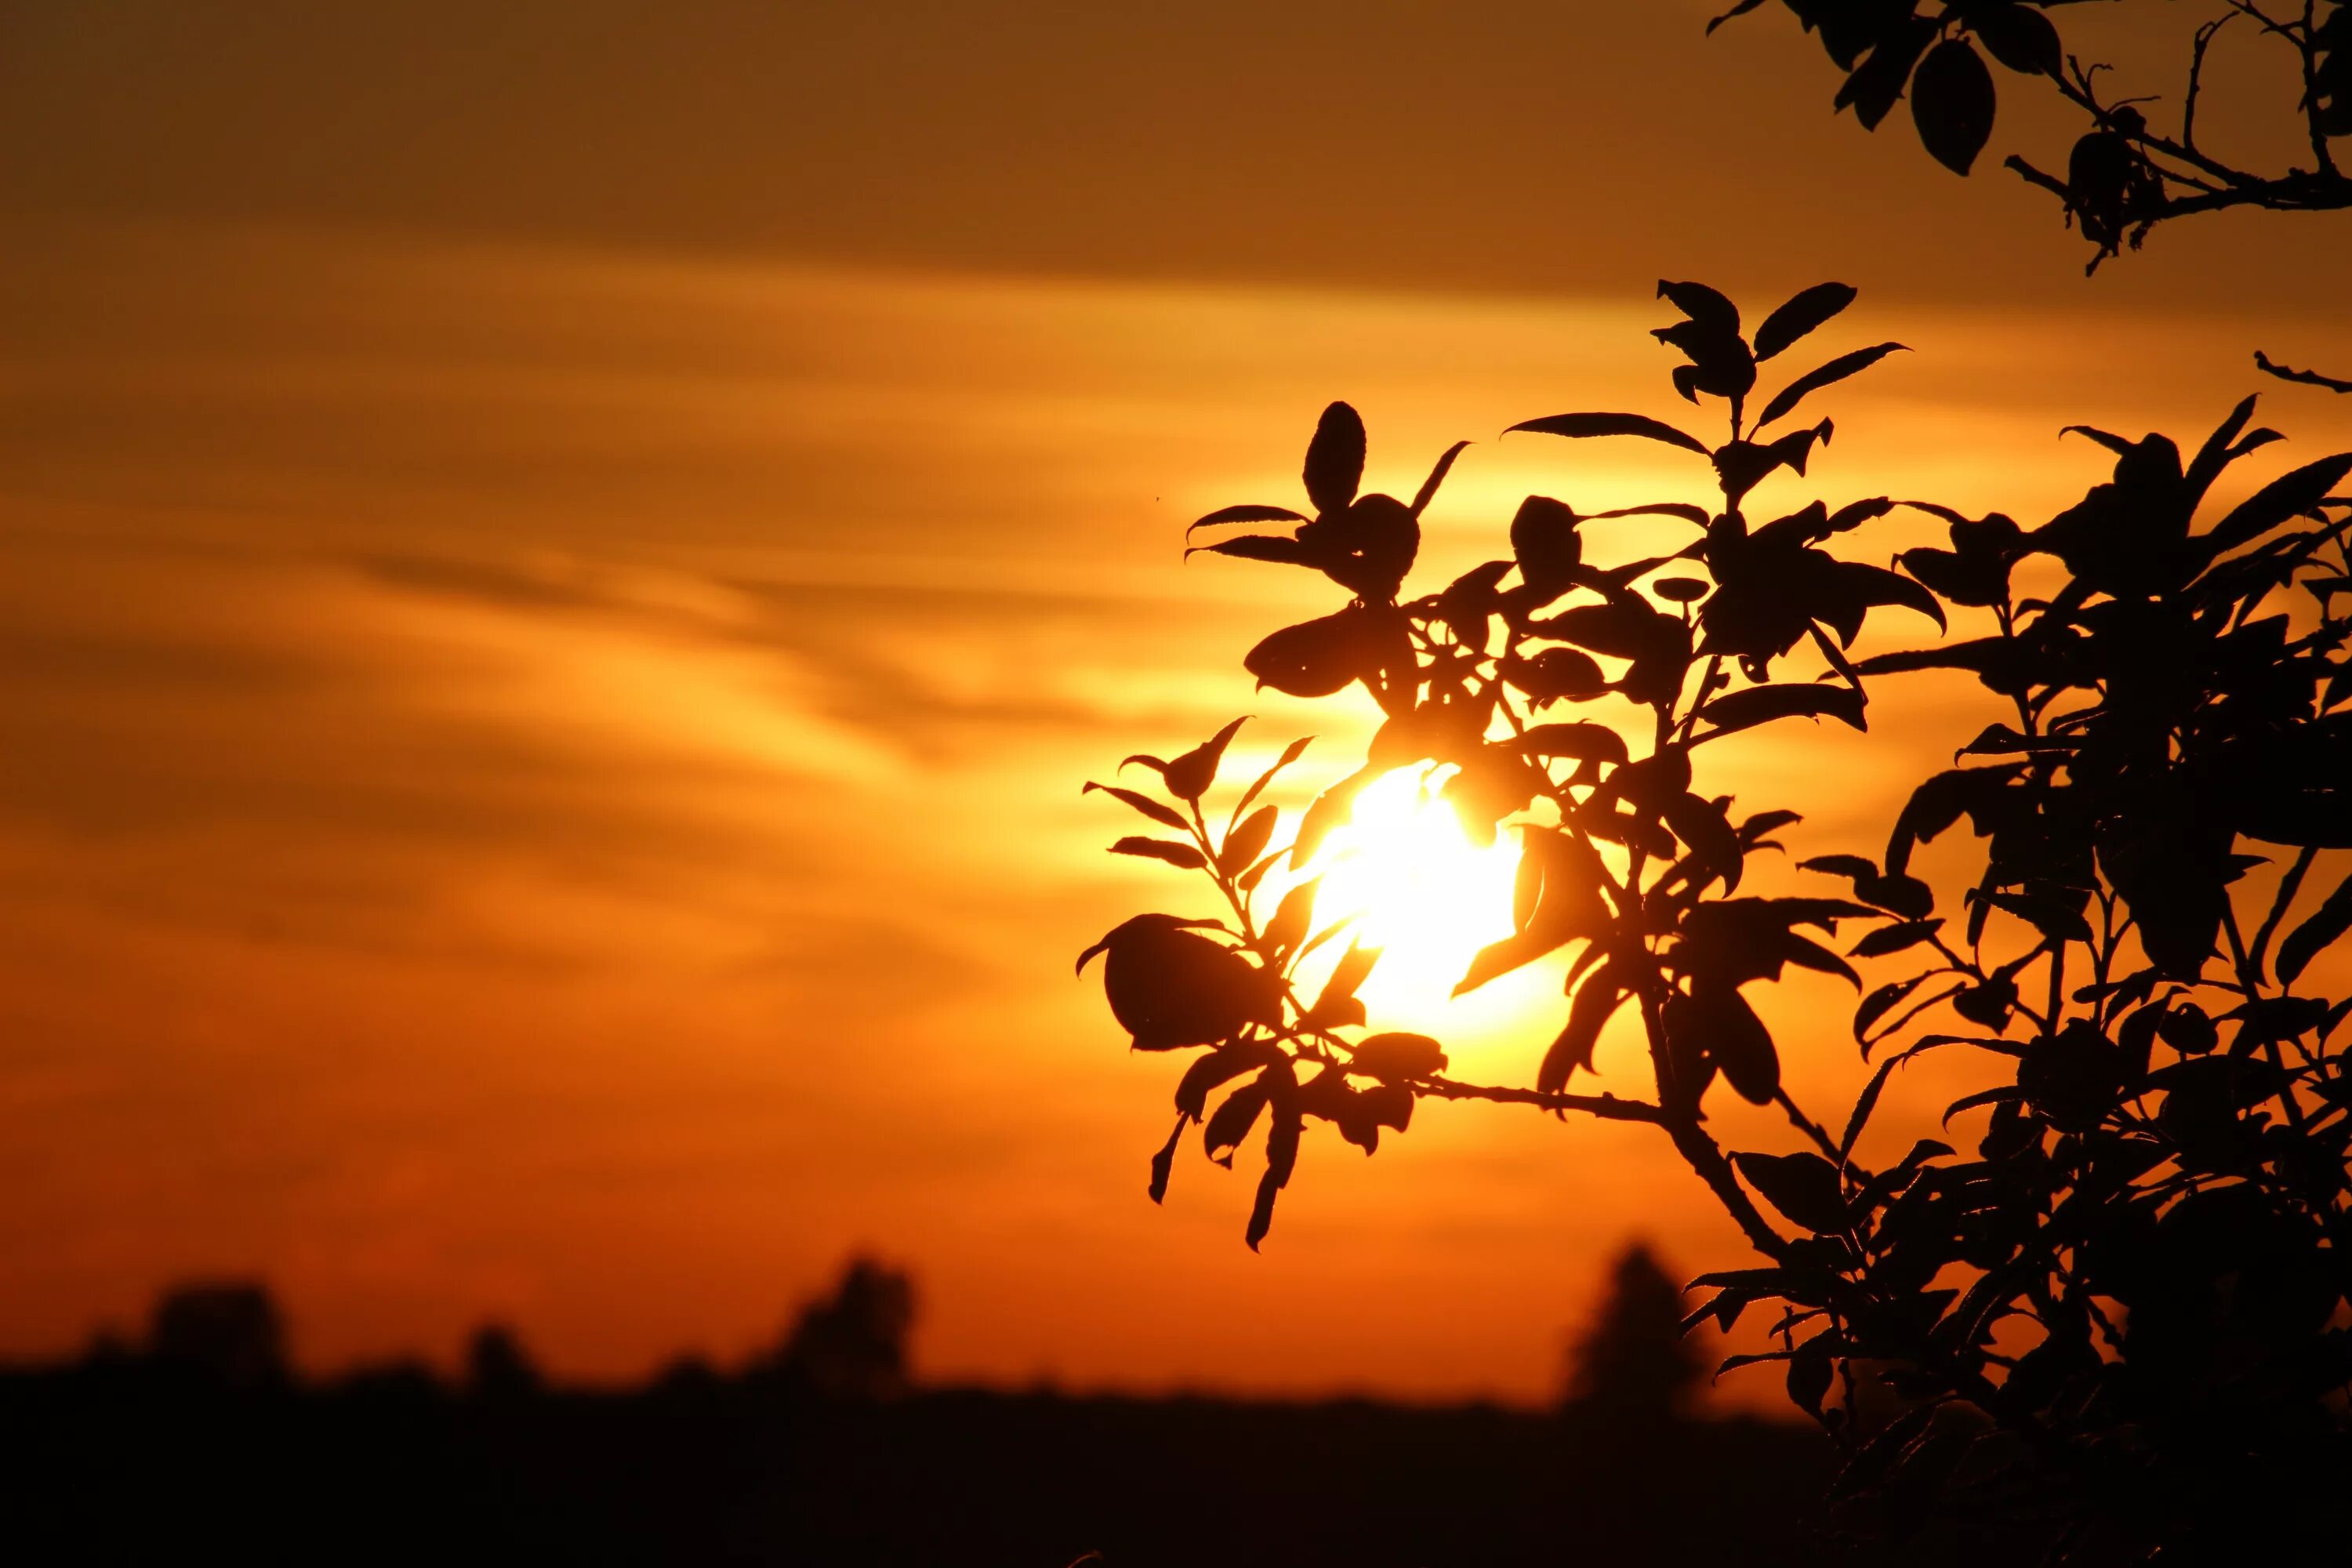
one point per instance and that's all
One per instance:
(130, 1461)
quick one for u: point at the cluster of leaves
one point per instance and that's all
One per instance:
(2127, 1304)
(1625, 860)
(2123, 1306)
(2122, 176)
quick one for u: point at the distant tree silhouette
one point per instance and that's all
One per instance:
(2124, 175)
(498, 1367)
(2114, 1321)
(227, 1333)
(1632, 1366)
(853, 1344)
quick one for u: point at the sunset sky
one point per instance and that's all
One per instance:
(562, 565)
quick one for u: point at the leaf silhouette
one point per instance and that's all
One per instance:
(2020, 39)
(1703, 305)
(1837, 370)
(1802, 1186)
(1184, 857)
(2314, 936)
(1164, 816)
(1317, 657)
(1290, 754)
(1274, 547)
(1187, 778)
(1335, 459)
(1600, 995)
(1761, 704)
(2291, 495)
(1247, 841)
(1597, 741)
(1583, 425)
(1397, 1056)
(1952, 103)
(1234, 1118)
(1428, 492)
(1805, 310)
(1229, 514)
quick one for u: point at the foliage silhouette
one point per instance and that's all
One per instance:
(2120, 1313)
(1632, 1368)
(853, 1344)
(122, 1456)
(2122, 176)
(225, 1332)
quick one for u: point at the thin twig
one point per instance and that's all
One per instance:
(1608, 1107)
(2269, 366)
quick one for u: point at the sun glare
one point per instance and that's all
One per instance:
(1426, 895)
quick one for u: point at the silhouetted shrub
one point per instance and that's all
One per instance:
(853, 1344)
(498, 1367)
(228, 1334)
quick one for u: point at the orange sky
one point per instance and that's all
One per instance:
(542, 734)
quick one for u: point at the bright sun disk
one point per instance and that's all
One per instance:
(1426, 895)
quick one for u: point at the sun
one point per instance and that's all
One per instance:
(1424, 894)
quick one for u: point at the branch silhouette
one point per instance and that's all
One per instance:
(2124, 177)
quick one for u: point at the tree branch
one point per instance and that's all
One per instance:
(1608, 1107)
(2269, 366)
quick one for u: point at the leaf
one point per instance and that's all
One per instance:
(1163, 1161)
(1215, 1071)
(1290, 754)
(1316, 658)
(1428, 490)
(1804, 311)
(1896, 938)
(1581, 424)
(1835, 370)
(1164, 816)
(1738, 1042)
(1596, 999)
(1234, 1118)
(1872, 86)
(1761, 704)
(1184, 857)
(1556, 674)
(1335, 459)
(1740, 10)
(1287, 929)
(1584, 741)
(1952, 104)
(1224, 515)
(1247, 841)
(2020, 39)
(1329, 810)
(1880, 1002)
(1393, 1058)
(1169, 988)
(1187, 778)
(2305, 942)
(2290, 495)
(1694, 515)
(1802, 1186)
(1277, 548)
(1354, 966)
(1865, 1104)
(1704, 305)
(1281, 1159)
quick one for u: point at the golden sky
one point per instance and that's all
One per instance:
(560, 580)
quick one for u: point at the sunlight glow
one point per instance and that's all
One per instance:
(1428, 896)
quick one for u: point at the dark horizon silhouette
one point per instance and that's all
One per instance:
(202, 1438)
